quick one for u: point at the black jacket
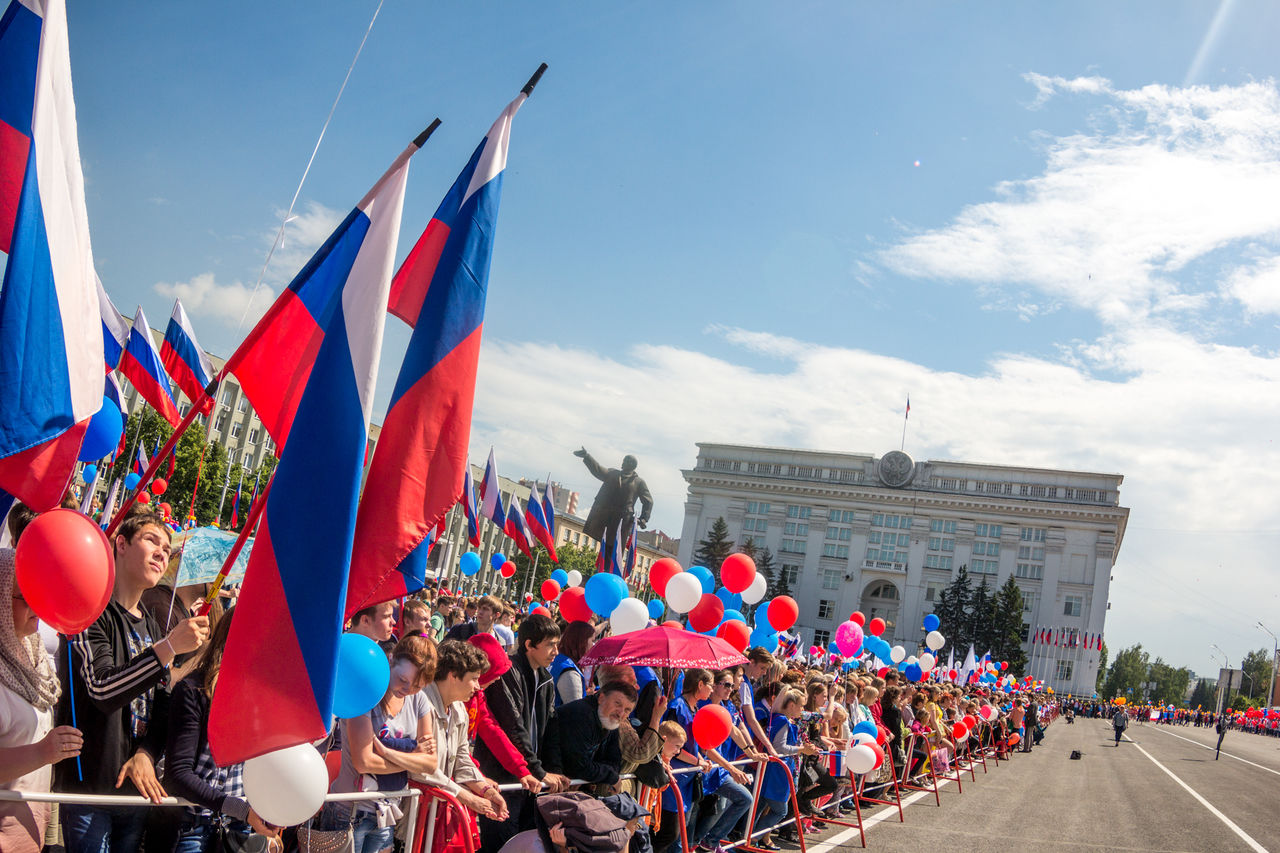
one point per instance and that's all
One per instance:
(188, 735)
(105, 681)
(521, 702)
(577, 746)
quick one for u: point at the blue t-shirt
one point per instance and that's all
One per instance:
(679, 711)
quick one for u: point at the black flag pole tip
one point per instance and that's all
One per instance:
(533, 81)
(426, 134)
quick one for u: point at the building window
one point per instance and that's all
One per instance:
(795, 546)
(825, 608)
(902, 522)
(791, 574)
(798, 512)
(1026, 552)
(830, 579)
(1072, 605)
(233, 456)
(253, 436)
(183, 409)
(235, 430)
(933, 590)
(939, 525)
(757, 508)
(248, 461)
(1030, 571)
(794, 528)
(221, 423)
(228, 394)
(822, 639)
(936, 561)
(984, 567)
(1029, 601)
(1064, 670)
(1032, 534)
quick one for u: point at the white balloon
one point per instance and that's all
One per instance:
(575, 577)
(286, 786)
(914, 659)
(860, 759)
(862, 737)
(684, 591)
(897, 654)
(631, 614)
(927, 661)
(754, 594)
(934, 640)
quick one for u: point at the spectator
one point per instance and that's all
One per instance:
(118, 666)
(378, 622)
(785, 735)
(440, 617)
(724, 804)
(637, 745)
(570, 683)
(487, 611)
(483, 724)
(391, 741)
(759, 665)
(673, 740)
(683, 708)
(29, 743)
(417, 618)
(190, 771)
(521, 703)
(582, 737)
(503, 631)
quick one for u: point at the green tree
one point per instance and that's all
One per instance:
(1006, 626)
(1257, 666)
(751, 550)
(524, 566)
(1170, 682)
(1102, 669)
(712, 550)
(783, 586)
(953, 612)
(1202, 696)
(979, 619)
(1127, 674)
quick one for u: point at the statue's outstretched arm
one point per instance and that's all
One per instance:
(592, 465)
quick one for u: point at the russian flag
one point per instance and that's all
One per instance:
(469, 506)
(276, 684)
(139, 460)
(142, 366)
(115, 329)
(631, 549)
(235, 506)
(50, 332)
(537, 522)
(491, 494)
(184, 358)
(616, 565)
(517, 529)
(549, 508)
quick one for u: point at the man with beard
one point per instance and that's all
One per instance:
(582, 738)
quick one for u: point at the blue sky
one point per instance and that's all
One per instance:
(1051, 224)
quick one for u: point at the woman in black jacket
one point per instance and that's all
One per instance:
(190, 770)
(891, 716)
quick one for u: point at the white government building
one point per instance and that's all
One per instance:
(886, 535)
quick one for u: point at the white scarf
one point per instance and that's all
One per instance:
(25, 667)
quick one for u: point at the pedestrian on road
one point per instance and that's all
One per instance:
(1119, 721)
(1222, 732)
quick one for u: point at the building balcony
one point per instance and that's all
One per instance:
(884, 566)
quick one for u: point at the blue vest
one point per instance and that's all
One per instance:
(559, 666)
(775, 778)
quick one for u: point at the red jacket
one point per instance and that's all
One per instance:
(486, 727)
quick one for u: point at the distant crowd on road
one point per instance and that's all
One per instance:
(1253, 721)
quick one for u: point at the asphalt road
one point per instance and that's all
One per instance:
(1122, 798)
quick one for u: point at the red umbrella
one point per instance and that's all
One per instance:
(662, 646)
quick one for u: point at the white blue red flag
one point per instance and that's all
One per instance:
(139, 460)
(235, 505)
(469, 506)
(276, 684)
(616, 562)
(183, 357)
(491, 494)
(517, 529)
(115, 329)
(50, 330)
(632, 544)
(536, 519)
(142, 366)
(549, 508)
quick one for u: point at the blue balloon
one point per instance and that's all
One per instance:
(469, 563)
(765, 637)
(732, 600)
(833, 648)
(131, 481)
(866, 727)
(533, 605)
(103, 434)
(89, 474)
(703, 574)
(913, 672)
(605, 592)
(561, 577)
(732, 616)
(363, 676)
(931, 622)
(657, 609)
(497, 560)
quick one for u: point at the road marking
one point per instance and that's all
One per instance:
(836, 840)
(1248, 839)
(1227, 754)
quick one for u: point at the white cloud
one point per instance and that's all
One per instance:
(305, 231)
(1257, 287)
(1118, 215)
(205, 298)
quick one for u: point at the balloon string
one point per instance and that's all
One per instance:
(71, 687)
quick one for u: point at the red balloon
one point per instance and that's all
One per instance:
(528, 596)
(971, 721)
(144, 498)
(735, 633)
(1014, 739)
(711, 726)
(707, 613)
(573, 605)
(783, 612)
(876, 628)
(952, 674)
(876, 748)
(662, 571)
(958, 731)
(158, 485)
(882, 670)
(539, 611)
(550, 590)
(737, 572)
(859, 617)
(65, 569)
(166, 509)
(671, 623)
(508, 569)
(333, 761)
(1004, 664)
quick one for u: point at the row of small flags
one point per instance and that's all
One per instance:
(535, 523)
(324, 550)
(1070, 638)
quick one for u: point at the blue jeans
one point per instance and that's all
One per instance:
(96, 829)
(769, 813)
(368, 837)
(194, 839)
(739, 803)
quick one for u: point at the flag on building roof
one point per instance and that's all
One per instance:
(491, 494)
(276, 683)
(142, 366)
(517, 529)
(187, 362)
(51, 346)
(115, 329)
(535, 516)
(469, 507)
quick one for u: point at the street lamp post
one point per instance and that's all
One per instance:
(1275, 647)
(1226, 696)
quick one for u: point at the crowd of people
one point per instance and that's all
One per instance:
(493, 707)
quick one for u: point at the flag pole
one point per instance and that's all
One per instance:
(905, 416)
(223, 500)
(249, 523)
